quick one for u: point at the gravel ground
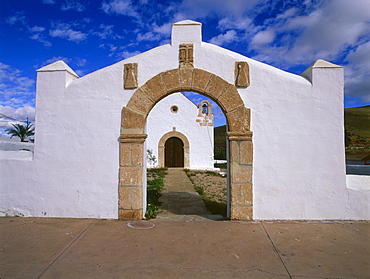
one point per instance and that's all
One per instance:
(212, 184)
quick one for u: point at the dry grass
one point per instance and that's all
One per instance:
(211, 186)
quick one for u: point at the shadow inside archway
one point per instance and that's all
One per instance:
(180, 201)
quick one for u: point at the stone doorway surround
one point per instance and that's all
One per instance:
(132, 167)
(174, 153)
(161, 148)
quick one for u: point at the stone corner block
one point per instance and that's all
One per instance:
(132, 120)
(241, 213)
(239, 119)
(130, 214)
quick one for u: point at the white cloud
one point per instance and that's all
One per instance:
(240, 23)
(263, 37)
(105, 31)
(37, 29)
(73, 5)
(64, 31)
(329, 30)
(122, 7)
(358, 72)
(20, 114)
(221, 8)
(164, 29)
(40, 38)
(17, 17)
(229, 37)
(49, 2)
(81, 62)
(54, 59)
(111, 47)
(13, 86)
(149, 36)
(127, 54)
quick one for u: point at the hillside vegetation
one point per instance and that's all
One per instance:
(220, 143)
(356, 123)
(357, 120)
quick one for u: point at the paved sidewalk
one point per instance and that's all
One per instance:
(88, 248)
(180, 201)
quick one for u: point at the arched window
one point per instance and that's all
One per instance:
(205, 108)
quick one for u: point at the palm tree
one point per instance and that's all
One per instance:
(21, 131)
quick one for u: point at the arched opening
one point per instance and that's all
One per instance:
(240, 147)
(185, 149)
(174, 153)
(205, 108)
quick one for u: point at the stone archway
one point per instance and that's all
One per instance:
(161, 145)
(131, 174)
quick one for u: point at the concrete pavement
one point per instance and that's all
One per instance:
(88, 248)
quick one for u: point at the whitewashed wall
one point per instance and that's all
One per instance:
(297, 124)
(161, 121)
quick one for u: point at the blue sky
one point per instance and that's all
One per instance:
(91, 34)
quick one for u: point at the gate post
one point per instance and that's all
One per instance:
(240, 175)
(131, 170)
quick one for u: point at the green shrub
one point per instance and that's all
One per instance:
(155, 187)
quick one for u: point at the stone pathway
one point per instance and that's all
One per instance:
(180, 201)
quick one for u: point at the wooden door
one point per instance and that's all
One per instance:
(174, 153)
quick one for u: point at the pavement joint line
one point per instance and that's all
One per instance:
(276, 250)
(66, 249)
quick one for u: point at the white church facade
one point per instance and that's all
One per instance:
(180, 133)
(285, 136)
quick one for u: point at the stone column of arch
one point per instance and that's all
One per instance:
(239, 135)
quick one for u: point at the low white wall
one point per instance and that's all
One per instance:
(297, 124)
(358, 183)
(16, 155)
(8, 144)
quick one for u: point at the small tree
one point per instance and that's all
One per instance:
(21, 131)
(152, 159)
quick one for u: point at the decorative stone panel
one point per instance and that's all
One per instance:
(242, 78)
(186, 56)
(130, 76)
